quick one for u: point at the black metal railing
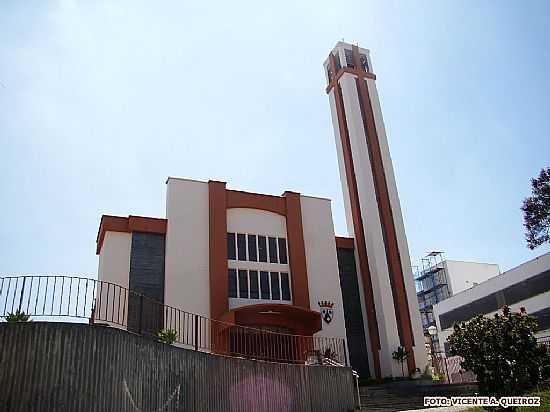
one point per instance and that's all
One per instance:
(70, 298)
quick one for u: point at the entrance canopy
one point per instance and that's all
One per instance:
(295, 319)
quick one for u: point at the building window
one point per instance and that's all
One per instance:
(232, 286)
(262, 248)
(285, 286)
(282, 250)
(349, 58)
(268, 286)
(264, 285)
(243, 284)
(231, 246)
(254, 290)
(275, 286)
(337, 61)
(273, 250)
(252, 253)
(364, 62)
(241, 246)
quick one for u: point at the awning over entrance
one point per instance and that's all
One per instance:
(294, 319)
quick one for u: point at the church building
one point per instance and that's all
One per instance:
(274, 261)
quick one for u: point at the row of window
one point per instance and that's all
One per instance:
(254, 284)
(256, 248)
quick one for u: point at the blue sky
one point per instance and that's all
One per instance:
(101, 101)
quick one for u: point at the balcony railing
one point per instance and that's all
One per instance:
(78, 299)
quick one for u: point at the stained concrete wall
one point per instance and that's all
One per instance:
(66, 367)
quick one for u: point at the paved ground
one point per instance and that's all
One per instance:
(445, 409)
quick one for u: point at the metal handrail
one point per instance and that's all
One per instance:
(106, 303)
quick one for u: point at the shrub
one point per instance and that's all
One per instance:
(401, 355)
(167, 336)
(502, 351)
(17, 316)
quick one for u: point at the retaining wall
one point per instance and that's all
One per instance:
(76, 367)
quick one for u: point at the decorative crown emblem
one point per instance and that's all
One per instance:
(326, 304)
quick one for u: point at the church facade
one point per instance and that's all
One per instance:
(274, 261)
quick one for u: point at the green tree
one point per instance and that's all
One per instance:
(401, 355)
(536, 211)
(502, 351)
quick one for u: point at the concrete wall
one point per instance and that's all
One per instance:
(113, 272)
(512, 277)
(76, 367)
(463, 275)
(419, 350)
(187, 249)
(114, 258)
(322, 262)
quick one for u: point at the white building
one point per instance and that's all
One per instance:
(274, 261)
(527, 285)
(440, 278)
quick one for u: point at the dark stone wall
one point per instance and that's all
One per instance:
(77, 367)
(146, 277)
(353, 314)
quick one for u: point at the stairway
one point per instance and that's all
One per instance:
(407, 395)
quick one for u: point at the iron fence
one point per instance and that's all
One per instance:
(71, 298)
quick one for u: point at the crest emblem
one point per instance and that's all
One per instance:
(326, 310)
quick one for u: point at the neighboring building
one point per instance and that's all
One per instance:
(527, 285)
(274, 262)
(440, 278)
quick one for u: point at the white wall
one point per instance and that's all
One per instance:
(502, 281)
(463, 275)
(187, 280)
(383, 298)
(322, 262)
(114, 258)
(419, 349)
(114, 267)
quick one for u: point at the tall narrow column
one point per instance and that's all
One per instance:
(373, 211)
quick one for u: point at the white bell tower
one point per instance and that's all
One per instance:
(373, 212)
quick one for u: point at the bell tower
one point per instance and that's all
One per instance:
(373, 212)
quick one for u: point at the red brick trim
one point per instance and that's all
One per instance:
(128, 225)
(288, 205)
(275, 204)
(345, 242)
(359, 73)
(296, 250)
(217, 230)
(294, 318)
(403, 317)
(359, 234)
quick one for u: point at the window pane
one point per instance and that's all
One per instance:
(241, 246)
(252, 255)
(254, 291)
(243, 284)
(275, 289)
(232, 275)
(273, 250)
(264, 284)
(262, 249)
(282, 250)
(231, 246)
(285, 286)
(349, 58)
